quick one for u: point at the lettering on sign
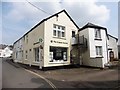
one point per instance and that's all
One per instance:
(52, 41)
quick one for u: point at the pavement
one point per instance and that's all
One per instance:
(78, 78)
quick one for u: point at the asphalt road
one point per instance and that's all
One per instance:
(15, 76)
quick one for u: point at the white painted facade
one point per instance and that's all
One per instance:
(42, 53)
(6, 52)
(53, 42)
(112, 46)
(106, 42)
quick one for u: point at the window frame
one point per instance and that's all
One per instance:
(99, 51)
(97, 33)
(60, 31)
(58, 54)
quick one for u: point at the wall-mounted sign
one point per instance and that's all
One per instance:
(40, 40)
(53, 41)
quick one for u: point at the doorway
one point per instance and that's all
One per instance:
(111, 55)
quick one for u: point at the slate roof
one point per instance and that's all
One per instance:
(2, 46)
(90, 25)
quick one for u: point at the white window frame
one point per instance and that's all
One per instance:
(60, 29)
(99, 52)
(97, 33)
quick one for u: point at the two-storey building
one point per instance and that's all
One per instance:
(48, 43)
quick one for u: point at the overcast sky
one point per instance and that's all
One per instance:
(20, 17)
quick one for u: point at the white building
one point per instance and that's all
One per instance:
(112, 47)
(48, 43)
(6, 52)
(55, 41)
(99, 45)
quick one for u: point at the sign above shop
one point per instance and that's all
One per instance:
(53, 41)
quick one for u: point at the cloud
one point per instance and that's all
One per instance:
(23, 15)
(80, 11)
(84, 12)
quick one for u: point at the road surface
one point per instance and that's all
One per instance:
(15, 76)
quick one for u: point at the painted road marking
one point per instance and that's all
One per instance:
(49, 82)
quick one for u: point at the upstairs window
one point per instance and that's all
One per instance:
(73, 33)
(97, 34)
(58, 31)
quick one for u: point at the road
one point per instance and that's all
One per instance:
(15, 76)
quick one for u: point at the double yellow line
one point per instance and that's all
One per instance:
(49, 82)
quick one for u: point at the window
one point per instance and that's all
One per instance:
(26, 57)
(54, 32)
(99, 50)
(63, 34)
(26, 38)
(36, 54)
(58, 53)
(58, 31)
(97, 34)
(73, 33)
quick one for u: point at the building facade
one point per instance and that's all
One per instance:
(58, 41)
(48, 43)
(99, 46)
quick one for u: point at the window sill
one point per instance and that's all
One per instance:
(57, 62)
(59, 38)
(98, 39)
(99, 56)
(36, 62)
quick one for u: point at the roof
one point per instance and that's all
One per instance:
(2, 46)
(56, 14)
(113, 37)
(90, 25)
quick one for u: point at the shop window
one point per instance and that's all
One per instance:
(58, 54)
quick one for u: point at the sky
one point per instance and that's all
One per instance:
(20, 16)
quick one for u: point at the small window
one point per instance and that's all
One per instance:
(26, 51)
(26, 57)
(30, 50)
(73, 33)
(54, 26)
(97, 34)
(99, 50)
(54, 32)
(63, 34)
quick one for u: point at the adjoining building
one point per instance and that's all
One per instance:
(58, 41)
(101, 47)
